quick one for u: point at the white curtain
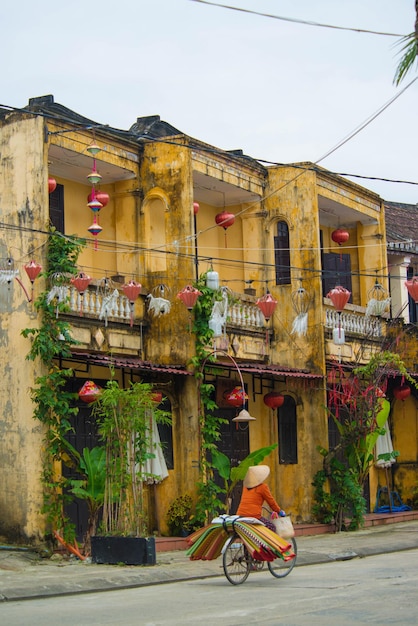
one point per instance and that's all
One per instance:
(156, 468)
(384, 446)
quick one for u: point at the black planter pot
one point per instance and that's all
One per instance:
(126, 550)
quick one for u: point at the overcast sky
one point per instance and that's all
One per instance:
(281, 91)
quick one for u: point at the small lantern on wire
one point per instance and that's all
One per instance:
(132, 291)
(340, 236)
(412, 287)
(237, 397)
(274, 400)
(339, 297)
(267, 305)
(225, 220)
(52, 185)
(378, 300)
(81, 282)
(189, 295)
(89, 392)
(402, 392)
(301, 301)
(32, 269)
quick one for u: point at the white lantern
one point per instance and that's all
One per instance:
(212, 279)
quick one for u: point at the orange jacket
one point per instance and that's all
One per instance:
(252, 501)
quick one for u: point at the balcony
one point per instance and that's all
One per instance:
(353, 321)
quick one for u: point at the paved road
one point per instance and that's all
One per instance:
(375, 590)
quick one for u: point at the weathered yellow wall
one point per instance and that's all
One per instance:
(24, 204)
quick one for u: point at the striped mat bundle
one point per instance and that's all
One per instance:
(262, 543)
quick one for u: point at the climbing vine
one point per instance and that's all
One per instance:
(208, 503)
(53, 404)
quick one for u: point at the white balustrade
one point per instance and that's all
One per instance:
(92, 303)
(246, 315)
(356, 323)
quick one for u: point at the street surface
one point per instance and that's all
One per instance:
(374, 590)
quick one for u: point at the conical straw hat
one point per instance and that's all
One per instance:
(255, 475)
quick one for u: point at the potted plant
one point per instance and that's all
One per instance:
(125, 419)
(180, 518)
(91, 488)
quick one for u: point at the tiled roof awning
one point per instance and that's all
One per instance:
(127, 362)
(275, 371)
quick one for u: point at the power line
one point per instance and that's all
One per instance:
(298, 21)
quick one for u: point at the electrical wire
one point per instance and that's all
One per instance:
(296, 20)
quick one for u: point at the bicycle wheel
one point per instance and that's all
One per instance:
(236, 561)
(280, 568)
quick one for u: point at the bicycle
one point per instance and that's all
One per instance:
(238, 563)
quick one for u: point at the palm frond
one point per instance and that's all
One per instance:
(410, 50)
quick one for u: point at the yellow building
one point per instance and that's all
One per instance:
(168, 220)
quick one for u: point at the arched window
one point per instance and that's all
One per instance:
(282, 254)
(288, 435)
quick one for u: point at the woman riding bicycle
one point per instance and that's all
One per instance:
(255, 492)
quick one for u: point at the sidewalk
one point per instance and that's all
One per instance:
(24, 575)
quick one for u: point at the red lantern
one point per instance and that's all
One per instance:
(81, 282)
(237, 397)
(225, 220)
(340, 236)
(402, 392)
(102, 197)
(273, 400)
(267, 304)
(339, 297)
(132, 291)
(189, 295)
(196, 208)
(412, 286)
(157, 397)
(52, 185)
(89, 392)
(32, 269)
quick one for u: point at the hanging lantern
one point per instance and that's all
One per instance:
(108, 296)
(95, 229)
(52, 185)
(301, 301)
(102, 197)
(89, 392)
(93, 149)
(212, 279)
(412, 286)
(196, 208)
(273, 400)
(188, 296)
(236, 397)
(340, 236)
(378, 300)
(81, 282)
(339, 297)
(157, 397)
(225, 220)
(402, 392)
(32, 269)
(99, 196)
(267, 304)
(132, 291)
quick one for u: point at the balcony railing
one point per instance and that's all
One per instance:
(353, 320)
(95, 304)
